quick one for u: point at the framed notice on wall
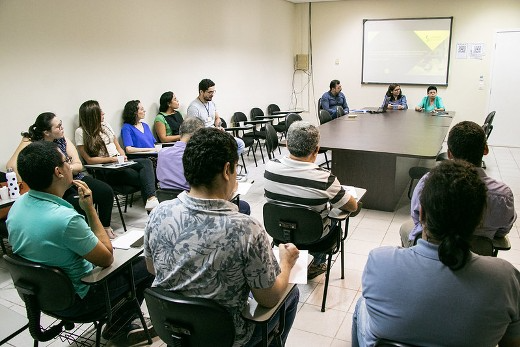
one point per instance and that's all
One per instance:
(406, 50)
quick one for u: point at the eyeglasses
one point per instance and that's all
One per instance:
(68, 160)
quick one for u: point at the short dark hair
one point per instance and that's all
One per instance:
(189, 125)
(205, 84)
(431, 88)
(467, 141)
(130, 112)
(334, 83)
(452, 206)
(165, 99)
(36, 164)
(207, 151)
(42, 123)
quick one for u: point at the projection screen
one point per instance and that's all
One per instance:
(406, 50)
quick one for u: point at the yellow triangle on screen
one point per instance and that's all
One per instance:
(432, 38)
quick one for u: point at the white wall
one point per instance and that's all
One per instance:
(338, 30)
(55, 54)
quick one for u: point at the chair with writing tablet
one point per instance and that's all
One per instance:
(324, 117)
(304, 227)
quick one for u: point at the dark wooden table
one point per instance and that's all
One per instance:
(375, 151)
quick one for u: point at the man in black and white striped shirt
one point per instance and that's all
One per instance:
(298, 180)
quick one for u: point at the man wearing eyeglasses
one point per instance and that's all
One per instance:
(204, 108)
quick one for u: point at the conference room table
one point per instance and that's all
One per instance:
(375, 151)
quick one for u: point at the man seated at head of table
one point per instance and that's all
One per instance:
(296, 179)
(170, 170)
(467, 141)
(200, 245)
(333, 98)
(46, 229)
(439, 293)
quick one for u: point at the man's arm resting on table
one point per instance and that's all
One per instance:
(350, 206)
(269, 297)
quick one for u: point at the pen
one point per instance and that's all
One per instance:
(85, 196)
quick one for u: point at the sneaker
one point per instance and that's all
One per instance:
(136, 333)
(316, 270)
(151, 203)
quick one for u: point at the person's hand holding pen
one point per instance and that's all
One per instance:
(84, 196)
(288, 255)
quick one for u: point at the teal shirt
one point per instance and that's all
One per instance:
(425, 104)
(46, 229)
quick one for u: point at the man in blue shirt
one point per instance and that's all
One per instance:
(333, 98)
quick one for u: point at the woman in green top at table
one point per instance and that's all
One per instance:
(168, 121)
(431, 102)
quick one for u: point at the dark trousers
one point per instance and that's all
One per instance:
(117, 286)
(140, 176)
(102, 195)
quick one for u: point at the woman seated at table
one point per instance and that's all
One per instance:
(137, 136)
(97, 144)
(168, 121)
(48, 127)
(394, 98)
(431, 102)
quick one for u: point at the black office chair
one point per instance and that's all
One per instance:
(488, 128)
(167, 194)
(324, 117)
(249, 141)
(320, 107)
(47, 289)
(304, 227)
(416, 173)
(256, 135)
(271, 141)
(280, 125)
(390, 343)
(489, 247)
(182, 321)
(291, 118)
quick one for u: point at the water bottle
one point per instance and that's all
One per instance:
(12, 184)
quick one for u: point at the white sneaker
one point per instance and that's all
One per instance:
(151, 204)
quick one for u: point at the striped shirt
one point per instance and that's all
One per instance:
(304, 183)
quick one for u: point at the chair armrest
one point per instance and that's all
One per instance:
(501, 243)
(257, 313)
(338, 214)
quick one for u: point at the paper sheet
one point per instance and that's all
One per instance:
(351, 190)
(125, 241)
(243, 188)
(298, 273)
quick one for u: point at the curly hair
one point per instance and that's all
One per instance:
(207, 151)
(130, 112)
(452, 203)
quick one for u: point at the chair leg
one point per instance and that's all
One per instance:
(4, 250)
(120, 212)
(261, 152)
(98, 334)
(327, 161)
(327, 275)
(243, 162)
(410, 189)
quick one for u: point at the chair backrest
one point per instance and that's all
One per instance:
(291, 118)
(223, 123)
(272, 108)
(239, 117)
(255, 112)
(167, 194)
(52, 288)
(481, 245)
(324, 116)
(271, 140)
(488, 123)
(320, 107)
(292, 223)
(188, 321)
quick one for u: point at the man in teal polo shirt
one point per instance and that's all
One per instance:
(46, 229)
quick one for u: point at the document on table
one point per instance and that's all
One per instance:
(126, 240)
(298, 273)
(243, 187)
(351, 190)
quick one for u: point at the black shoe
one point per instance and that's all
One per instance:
(316, 270)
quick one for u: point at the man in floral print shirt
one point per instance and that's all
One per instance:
(200, 245)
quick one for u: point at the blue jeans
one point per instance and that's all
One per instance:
(291, 305)
(359, 324)
(241, 145)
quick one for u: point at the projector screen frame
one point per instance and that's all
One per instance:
(403, 81)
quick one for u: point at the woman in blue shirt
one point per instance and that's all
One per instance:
(137, 136)
(394, 98)
(431, 102)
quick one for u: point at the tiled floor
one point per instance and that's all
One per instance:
(370, 229)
